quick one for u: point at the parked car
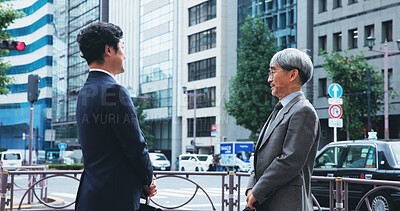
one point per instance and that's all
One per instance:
(10, 160)
(193, 162)
(365, 159)
(159, 161)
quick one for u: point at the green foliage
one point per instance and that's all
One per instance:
(75, 166)
(250, 95)
(7, 17)
(350, 72)
(140, 105)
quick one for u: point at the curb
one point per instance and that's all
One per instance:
(55, 202)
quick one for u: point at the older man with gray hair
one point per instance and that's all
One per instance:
(286, 148)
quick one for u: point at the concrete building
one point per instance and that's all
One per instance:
(35, 29)
(339, 25)
(208, 63)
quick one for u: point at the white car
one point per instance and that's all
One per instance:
(10, 159)
(159, 161)
(193, 162)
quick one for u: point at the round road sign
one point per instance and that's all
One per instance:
(335, 111)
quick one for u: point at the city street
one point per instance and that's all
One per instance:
(171, 191)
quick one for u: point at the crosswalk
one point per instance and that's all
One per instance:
(175, 197)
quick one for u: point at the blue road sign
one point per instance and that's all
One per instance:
(335, 90)
(62, 146)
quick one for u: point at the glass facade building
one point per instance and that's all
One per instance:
(156, 62)
(70, 70)
(280, 15)
(34, 28)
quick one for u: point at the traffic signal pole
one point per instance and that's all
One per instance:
(30, 134)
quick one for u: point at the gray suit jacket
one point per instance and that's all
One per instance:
(284, 159)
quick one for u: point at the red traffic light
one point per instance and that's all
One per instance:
(12, 45)
(20, 46)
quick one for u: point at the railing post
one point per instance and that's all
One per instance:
(4, 177)
(230, 197)
(339, 194)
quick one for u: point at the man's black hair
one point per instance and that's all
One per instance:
(93, 39)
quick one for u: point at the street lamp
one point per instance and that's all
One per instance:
(194, 94)
(386, 53)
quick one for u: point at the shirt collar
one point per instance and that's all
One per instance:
(289, 98)
(106, 72)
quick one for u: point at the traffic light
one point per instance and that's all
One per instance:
(12, 45)
(33, 87)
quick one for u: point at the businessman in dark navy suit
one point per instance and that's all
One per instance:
(117, 168)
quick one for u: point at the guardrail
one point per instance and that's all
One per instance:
(338, 189)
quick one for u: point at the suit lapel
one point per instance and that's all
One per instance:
(278, 119)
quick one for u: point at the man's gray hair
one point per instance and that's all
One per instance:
(292, 58)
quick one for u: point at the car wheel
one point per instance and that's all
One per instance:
(182, 169)
(197, 169)
(381, 201)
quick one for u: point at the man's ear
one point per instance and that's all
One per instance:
(107, 50)
(294, 73)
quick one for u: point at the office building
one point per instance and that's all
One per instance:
(346, 24)
(35, 29)
(70, 70)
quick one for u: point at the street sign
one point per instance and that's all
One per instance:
(335, 111)
(214, 133)
(335, 90)
(335, 122)
(213, 127)
(62, 146)
(372, 135)
(338, 101)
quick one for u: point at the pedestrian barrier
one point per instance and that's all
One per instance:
(338, 189)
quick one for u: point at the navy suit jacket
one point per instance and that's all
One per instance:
(116, 160)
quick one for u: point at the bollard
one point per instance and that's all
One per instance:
(339, 195)
(4, 177)
(230, 197)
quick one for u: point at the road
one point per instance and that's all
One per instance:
(172, 191)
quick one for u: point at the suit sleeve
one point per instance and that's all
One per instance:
(300, 137)
(130, 136)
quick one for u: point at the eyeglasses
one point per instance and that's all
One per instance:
(272, 74)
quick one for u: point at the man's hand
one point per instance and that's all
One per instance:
(151, 190)
(250, 199)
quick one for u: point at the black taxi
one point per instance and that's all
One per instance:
(364, 159)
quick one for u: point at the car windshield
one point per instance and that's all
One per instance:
(12, 156)
(396, 151)
(202, 158)
(158, 157)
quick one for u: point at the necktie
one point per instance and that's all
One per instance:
(274, 113)
(278, 107)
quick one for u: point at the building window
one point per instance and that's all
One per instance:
(322, 6)
(337, 41)
(322, 87)
(291, 17)
(282, 20)
(390, 77)
(353, 1)
(284, 42)
(387, 31)
(368, 31)
(202, 69)
(158, 99)
(322, 43)
(204, 98)
(337, 3)
(202, 41)
(203, 126)
(202, 12)
(353, 37)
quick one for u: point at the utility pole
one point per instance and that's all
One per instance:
(369, 98)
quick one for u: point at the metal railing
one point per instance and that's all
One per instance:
(338, 189)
